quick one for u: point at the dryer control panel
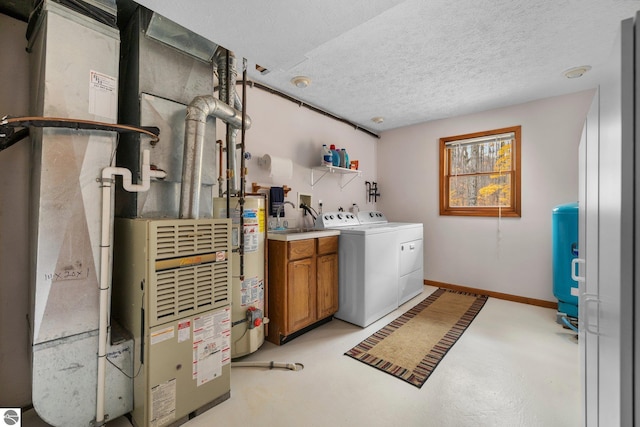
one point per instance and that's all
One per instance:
(336, 220)
(372, 217)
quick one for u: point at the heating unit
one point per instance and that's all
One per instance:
(172, 291)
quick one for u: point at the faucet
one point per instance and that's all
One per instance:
(278, 226)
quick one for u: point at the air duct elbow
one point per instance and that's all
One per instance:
(204, 106)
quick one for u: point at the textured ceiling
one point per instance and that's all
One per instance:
(412, 61)
(415, 60)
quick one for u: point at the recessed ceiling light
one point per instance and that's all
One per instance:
(377, 120)
(301, 81)
(575, 72)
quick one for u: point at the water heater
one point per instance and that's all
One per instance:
(248, 308)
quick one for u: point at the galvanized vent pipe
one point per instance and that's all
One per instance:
(224, 63)
(197, 112)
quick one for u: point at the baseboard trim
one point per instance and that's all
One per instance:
(499, 295)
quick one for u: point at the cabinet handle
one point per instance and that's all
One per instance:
(575, 276)
(585, 300)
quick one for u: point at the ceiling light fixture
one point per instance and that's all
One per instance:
(575, 72)
(377, 120)
(301, 81)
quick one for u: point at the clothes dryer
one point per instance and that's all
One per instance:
(409, 246)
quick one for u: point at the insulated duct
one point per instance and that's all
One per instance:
(197, 112)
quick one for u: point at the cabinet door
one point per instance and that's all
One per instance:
(301, 294)
(327, 283)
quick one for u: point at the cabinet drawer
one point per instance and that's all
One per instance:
(299, 249)
(327, 245)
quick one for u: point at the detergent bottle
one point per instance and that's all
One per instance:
(344, 158)
(327, 156)
(336, 155)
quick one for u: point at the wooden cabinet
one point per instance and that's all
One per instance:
(301, 294)
(303, 285)
(327, 276)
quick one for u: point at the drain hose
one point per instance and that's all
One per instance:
(270, 365)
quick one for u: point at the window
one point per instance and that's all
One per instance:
(480, 173)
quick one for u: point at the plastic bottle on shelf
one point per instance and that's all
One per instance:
(327, 156)
(344, 159)
(336, 155)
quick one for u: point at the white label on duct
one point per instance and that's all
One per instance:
(575, 292)
(103, 95)
(163, 403)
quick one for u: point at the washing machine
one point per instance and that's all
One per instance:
(409, 247)
(367, 268)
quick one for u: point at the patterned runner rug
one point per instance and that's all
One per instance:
(411, 346)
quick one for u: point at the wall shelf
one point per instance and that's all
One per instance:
(347, 175)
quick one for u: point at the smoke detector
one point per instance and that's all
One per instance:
(377, 120)
(575, 72)
(301, 81)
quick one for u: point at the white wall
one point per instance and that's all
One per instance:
(508, 255)
(283, 129)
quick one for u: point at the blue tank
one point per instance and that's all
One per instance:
(565, 249)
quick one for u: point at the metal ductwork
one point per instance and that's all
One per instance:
(67, 253)
(197, 112)
(224, 62)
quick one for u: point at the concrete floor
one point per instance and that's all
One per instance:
(514, 366)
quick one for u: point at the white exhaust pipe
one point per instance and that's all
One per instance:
(105, 243)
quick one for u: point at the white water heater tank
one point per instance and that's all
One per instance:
(248, 302)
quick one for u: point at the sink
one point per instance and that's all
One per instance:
(288, 234)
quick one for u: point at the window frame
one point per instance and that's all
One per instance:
(515, 197)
